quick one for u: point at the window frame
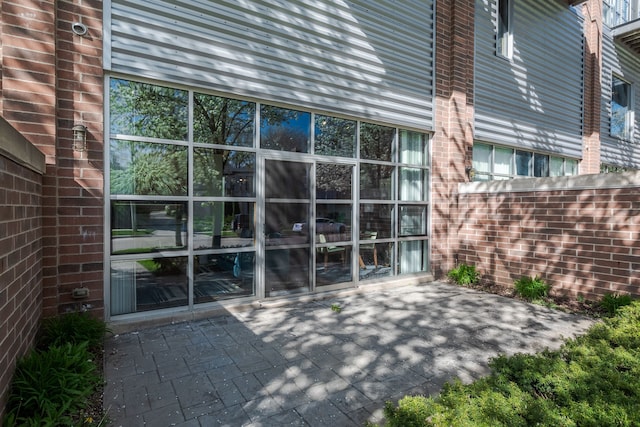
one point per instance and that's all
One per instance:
(627, 132)
(504, 29)
(492, 175)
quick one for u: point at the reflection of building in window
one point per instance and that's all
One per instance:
(621, 111)
(504, 46)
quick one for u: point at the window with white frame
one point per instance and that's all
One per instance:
(492, 162)
(504, 39)
(621, 124)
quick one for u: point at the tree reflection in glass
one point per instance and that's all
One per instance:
(142, 109)
(284, 130)
(376, 142)
(334, 136)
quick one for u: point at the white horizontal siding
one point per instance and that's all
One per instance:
(368, 59)
(535, 100)
(618, 60)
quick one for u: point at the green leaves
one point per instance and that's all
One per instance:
(593, 380)
(49, 385)
(464, 275)
(531, 288)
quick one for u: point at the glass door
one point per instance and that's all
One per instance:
(286, 227)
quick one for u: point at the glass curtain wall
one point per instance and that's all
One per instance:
(213, 198)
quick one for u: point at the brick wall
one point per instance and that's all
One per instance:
(74, 217)
(20, 251)
(52, 79)
(452, 142)
(581, 234)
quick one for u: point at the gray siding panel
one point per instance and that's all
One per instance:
(536, 99)
(368, 59)
(618, 60)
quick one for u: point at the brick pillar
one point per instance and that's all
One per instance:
(592, 11)
(453, 138)
(79, 175)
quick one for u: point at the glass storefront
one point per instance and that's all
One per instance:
(213, 198)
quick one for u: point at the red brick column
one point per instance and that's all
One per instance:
(453, 138)
(78, 250)
(592, 10)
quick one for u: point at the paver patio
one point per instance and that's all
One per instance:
(307, 365)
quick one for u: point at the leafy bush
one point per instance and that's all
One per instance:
(612, 302)
(73, 328)
(531, 288)
(464, 275)
(593, 380)
(49, 386)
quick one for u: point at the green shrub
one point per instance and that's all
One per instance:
(73, 328)
(464, 275)
(531, 288)
(51, 386)
(593, 380)
(612, 302)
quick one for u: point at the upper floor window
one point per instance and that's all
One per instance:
(504, 45)
(492, 162)
(621, 109)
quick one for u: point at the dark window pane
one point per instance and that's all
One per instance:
(333, 181)
(334, 221)
(223, 121)
(146, 168)
(375, 218)
(333, 264)
(287, 180)
(523, 163)
(223, 276)
(286, 271)
(139, 227)
(540, 165)
(375, 181)
(284, 130)
(335, 136)
(376, 141)
(219, 173)
(286, 223)
(142, 109)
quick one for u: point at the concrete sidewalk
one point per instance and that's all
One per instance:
(307, 365)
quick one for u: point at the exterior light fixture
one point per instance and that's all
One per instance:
(79, 29)
(471, 172)
(79, 138)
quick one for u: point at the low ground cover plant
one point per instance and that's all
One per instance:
(464, 275)
(531, 288)
(593, 380)
(51, 386)
(612, 302)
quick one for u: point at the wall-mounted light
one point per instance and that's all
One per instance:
(471, 172)
(79, 28)
(79, 138)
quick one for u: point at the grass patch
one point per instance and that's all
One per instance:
(126, 232)
(593, 380)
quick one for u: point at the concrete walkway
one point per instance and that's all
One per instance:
(307, 365)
